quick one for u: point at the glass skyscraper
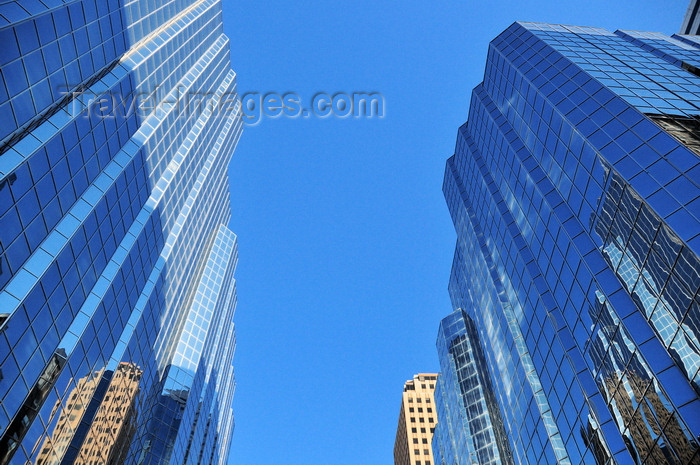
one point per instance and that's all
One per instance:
(575, 193)
(469, 429)
(691, 20)
(119, 119)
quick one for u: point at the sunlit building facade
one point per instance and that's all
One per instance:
(691, 20)
(575, 193)
(119, 120)
(417, 419)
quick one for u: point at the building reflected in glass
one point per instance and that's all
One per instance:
(98, 421)
(117, 292)
(575, 194)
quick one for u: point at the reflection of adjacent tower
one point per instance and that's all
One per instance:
(642, 423)
(642, 257)
(650, 430)
(98, 421)
(111, 430)
(593, 439)
(54, 447)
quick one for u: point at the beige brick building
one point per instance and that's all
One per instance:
(417, 420)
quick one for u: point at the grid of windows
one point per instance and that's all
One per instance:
(113, 261)
(469, 428)
(407, 449)
(578, 218)
(48, 55)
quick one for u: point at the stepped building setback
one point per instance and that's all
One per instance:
(575, 194)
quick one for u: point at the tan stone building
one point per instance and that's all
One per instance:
(417, 420)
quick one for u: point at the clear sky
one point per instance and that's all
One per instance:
(345, 242)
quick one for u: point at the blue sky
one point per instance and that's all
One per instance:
(345, 241)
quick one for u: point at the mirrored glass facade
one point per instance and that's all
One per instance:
(691, 21)
(119, 120)
(469, 429)
(575, 193)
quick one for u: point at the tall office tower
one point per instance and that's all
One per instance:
(574, 191)
(691, 21)
(469, 428)
(119, 119)
(417, 419)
